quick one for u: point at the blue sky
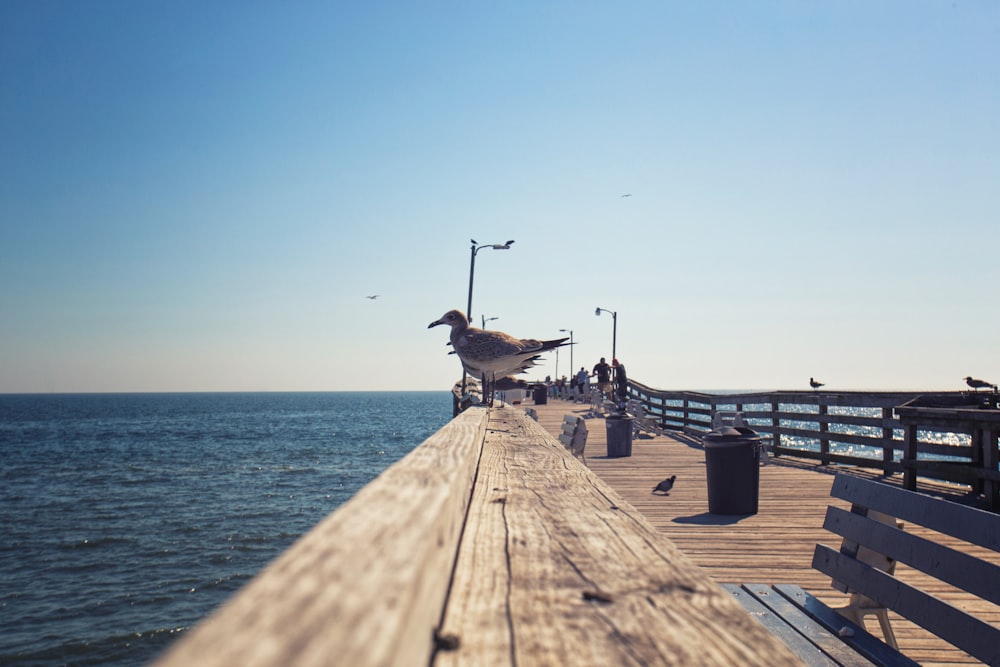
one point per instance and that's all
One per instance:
(198, 196)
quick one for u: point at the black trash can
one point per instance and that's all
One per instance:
(732, 462)
(619, 427)
(540, 394)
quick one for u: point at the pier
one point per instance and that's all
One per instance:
(491, 544)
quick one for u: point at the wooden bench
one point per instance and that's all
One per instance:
(574, 436)
(820, 635)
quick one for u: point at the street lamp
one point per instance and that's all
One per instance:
(488, 319)
(614, 329)
(476, 247)
(572, 368)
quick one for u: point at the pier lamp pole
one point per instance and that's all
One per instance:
(488, 319)
(572, 368)
(614, 329)
(476, 247)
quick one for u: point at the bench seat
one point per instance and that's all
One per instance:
(813, 631)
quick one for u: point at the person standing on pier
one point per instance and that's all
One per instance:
(581, 381)
(621, 382)
(603, 373)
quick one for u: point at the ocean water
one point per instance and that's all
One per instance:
(126, 518)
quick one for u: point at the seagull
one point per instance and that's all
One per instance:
(979, 384)
(373, 296)
(665, 485)
(627, 195)
(814, 384)
(492, 354)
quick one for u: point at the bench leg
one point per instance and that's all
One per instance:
(860, 607)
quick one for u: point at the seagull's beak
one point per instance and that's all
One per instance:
(434, 323)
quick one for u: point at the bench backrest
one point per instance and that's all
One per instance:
(975, 575)
(574, 435)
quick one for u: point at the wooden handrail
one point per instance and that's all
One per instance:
(367, 586)
(488, 544)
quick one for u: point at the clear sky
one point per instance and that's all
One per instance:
(198, 196)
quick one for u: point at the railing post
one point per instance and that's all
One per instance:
(910, 458)
(775, 426)
(824, 429)
(888, 448)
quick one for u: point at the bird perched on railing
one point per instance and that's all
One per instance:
(666, 485)
(814, 384)
(492, 354)
(979, 384)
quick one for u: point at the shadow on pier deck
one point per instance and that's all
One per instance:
(774, 546)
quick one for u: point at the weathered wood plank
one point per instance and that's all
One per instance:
(858, 639)
(823, 638)
(806, 650)
(368, 584)
(556, 568)
(966, 523)
(950, 565)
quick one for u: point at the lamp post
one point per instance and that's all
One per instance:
(488, 319)
(614, 329)
(476, 247)
(572, 368)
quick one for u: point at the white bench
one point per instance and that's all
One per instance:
(574, 436)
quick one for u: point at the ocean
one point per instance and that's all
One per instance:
(127, 518)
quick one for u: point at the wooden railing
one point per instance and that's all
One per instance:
(489, 544)
(852, 428)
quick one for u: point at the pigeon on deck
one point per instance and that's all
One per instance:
(979, 384)
(492, 354)
(814, 384)
(665, 485)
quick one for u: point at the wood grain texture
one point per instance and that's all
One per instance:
(368, 584)
(556, 568)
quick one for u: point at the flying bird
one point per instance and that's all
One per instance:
(373, 296)
(627, 194)
(492, 354)
(665, 486)
(814, 384)
(979, 384)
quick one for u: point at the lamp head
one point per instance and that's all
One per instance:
(597, 312)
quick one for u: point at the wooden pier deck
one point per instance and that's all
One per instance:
(773, 546)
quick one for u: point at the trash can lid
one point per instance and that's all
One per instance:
(731, 434)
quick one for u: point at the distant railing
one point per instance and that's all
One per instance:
(852, 428)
